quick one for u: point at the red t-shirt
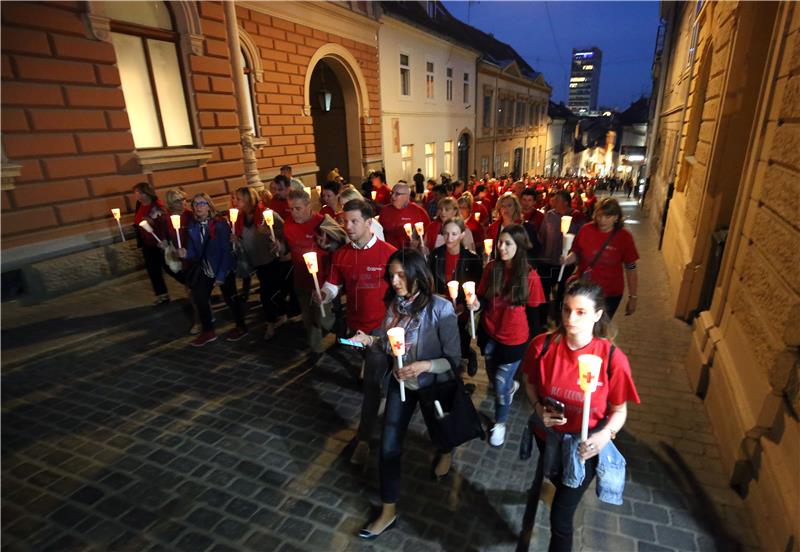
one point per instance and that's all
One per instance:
(361, 272)
(154, 210)
(608, 270)
(477, 232)
(504, 322)
(478, 207)
(432, 232)
(326, 210)
(300, 238)
(450, 262)
(556, 376)
(383, 195)
(280, 206)
(392, 219)
(535, 217)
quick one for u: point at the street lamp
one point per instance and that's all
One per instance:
(324, 95)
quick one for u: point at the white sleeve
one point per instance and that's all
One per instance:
(331, 292)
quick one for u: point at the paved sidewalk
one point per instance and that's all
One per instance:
(116, 435)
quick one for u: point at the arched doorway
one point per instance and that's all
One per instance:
(463, 157)
(329, 118)
(349, 106)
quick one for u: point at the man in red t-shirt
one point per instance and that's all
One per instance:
(300, 231)
(383, 195)
(280, 189)
(359, 268)
(400, 212)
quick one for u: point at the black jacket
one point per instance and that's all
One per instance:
(469, 268)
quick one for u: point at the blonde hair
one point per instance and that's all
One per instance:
(447, 202)
(458, 221)
(348, 193)
(516, 207)
(466, 199)
(174, 195)
(212, 211)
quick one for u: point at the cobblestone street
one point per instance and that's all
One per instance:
(117, 435)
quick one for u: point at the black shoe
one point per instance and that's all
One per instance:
(472, 364)
(365, 534)
(314, 359)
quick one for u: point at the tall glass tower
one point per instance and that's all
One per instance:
(584, 80)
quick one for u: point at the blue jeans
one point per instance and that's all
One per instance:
(397, 416)
(503, 377)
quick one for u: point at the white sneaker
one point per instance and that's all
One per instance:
(498, 435)
(513, 390)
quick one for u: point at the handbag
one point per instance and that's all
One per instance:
(586, 274)
(460, 421)
(244, 268)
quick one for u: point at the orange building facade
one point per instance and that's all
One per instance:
(198, 95)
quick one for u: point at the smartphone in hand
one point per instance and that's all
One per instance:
(554, 406)
(351, 343)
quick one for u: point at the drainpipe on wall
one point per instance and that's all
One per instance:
(246, 132)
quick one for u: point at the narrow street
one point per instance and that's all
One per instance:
(119, 436)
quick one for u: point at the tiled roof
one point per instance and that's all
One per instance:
(444, 23)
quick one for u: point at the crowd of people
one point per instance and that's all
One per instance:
(549, 264)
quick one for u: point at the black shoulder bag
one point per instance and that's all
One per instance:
(459, 422)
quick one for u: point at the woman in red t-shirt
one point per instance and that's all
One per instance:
(151, 209)
(551, 369)
(509, 287)
(604, 265)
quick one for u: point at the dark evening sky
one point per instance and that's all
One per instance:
(624, 31)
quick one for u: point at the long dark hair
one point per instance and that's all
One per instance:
(417, 275)
(516, 289)
(603, 328)
(147, 189)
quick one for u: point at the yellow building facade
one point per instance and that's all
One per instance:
(725, 191)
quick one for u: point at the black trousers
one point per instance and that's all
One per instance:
(612, 304)
(154, 264)
(201, 293)
(376, 366)
(271, 290)
(548, 274)
(565, 503)
(397, 416)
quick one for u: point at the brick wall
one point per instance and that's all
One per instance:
(286, 49)
(64, 119)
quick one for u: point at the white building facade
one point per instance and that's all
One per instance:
(427, 90)
(512, 120)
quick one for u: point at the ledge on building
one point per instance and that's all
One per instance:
(171, 158)
(10, 171)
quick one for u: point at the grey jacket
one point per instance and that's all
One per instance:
(438, 341)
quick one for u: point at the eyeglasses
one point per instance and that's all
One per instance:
(199, 203)
(399, 193)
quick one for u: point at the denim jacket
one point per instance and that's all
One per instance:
(561, 458)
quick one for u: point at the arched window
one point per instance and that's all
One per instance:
(247, 83)
(146, 46)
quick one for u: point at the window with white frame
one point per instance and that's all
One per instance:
(466, 87)
(487, 108)
(448, 156)
(430, 159)
(501, 113)
(405, 75)
(484, 164)
(146, 46)
(429, 81)
(407, 161)
(520, 120)
(449, 84)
